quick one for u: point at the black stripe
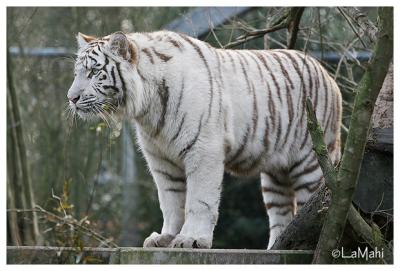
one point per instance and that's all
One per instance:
(247, 164)
(92, 58)
(104, 68)
(332, 106)
(201, 55)
(219, 67)
(328, 107)
(295, 65)
(190, 145)
(303, 144)
(274, 179)
(261, 57)
(113, 75)
(310, 84)
(163, 93)
(310, 186)
(122, 82)
(266, 135)
(334, 109)
(257, 64)
(180, 98)
(306, 171)
(241, 147)
(278, 135)
(271, 107)
(163, 158)
(179, 128)
(285, 212)
(148, 54)
(290, 113)
(299, 162)
(169, 176)
(141, 75)
(231, 59)
(338, 110)
(325, 92)
(283, 69)
(162, 56)
(317, 86)
(255, 112)
(175, 43)
(97, 89)
(176, 190)
(220, 85)
(241, 55)
(244, 72)
(205, 204)
(265, 189)
(222, 56)
(111, 87)
(310, 81)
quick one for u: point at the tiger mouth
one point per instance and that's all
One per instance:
(95, 111)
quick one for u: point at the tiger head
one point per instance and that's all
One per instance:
(100, 87)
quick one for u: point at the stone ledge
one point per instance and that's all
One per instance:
(128, 255)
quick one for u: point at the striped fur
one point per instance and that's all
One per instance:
(200, 111)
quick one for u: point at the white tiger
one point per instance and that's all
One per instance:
(201, 110)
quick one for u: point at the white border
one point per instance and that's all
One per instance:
(185, 3)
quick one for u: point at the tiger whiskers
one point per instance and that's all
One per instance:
(70, 115)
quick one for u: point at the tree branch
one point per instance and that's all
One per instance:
(319, 147)
(352, 26)
(254, 35)
(362, 21)
(294, 18)
(289, 20)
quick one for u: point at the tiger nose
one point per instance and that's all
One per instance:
(74, 99)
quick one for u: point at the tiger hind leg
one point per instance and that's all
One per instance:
(279, 202)
(306, 178)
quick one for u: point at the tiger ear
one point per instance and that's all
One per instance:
(83, 39)
(121, 46)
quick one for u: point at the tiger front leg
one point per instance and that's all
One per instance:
(204, 180)
(171, 187)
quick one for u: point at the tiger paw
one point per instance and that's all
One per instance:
(184, 241)
(158, 240)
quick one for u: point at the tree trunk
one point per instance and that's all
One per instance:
(367, 93)
(20, 174)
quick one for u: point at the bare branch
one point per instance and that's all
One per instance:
(362, 21)
(293, 25)
(69, 221)
(352, 26)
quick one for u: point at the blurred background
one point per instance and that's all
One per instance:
(88, 184)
